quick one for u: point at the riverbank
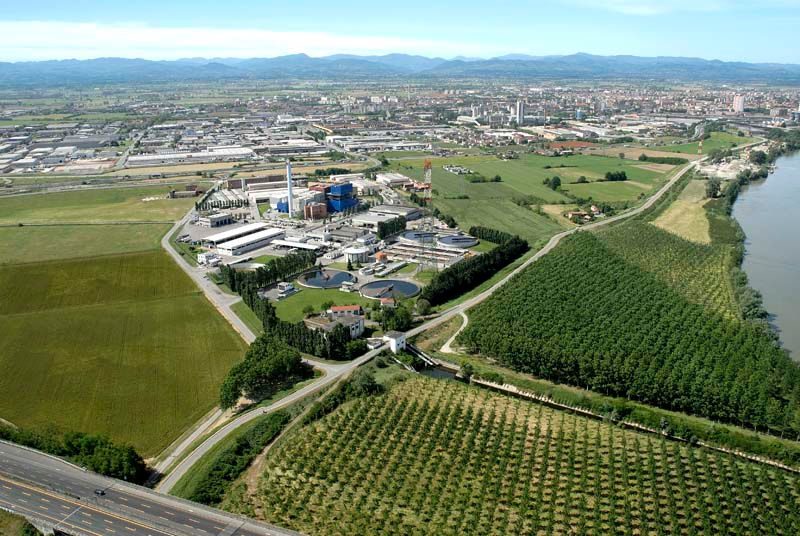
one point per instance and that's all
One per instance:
(766, 211)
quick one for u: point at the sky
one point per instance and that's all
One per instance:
(730, 30)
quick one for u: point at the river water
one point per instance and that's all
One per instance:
(769, 213)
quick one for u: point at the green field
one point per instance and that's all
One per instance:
(718, 140)
(50, 242)
(123, 345)
(499, 214)
(291, 308)
(438, 457)
(94, 206)
(490, 204)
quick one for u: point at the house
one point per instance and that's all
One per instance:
(327, 324)
(389, 303)
(396, 340)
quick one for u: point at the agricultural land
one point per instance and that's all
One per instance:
(432, 456)
(511, 205)
(642, 313)
(103, 332)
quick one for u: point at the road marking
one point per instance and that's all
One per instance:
(81, 505)
(14, 508)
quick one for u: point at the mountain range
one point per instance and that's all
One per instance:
(345, 66)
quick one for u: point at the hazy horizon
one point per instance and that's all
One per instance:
(52, 30)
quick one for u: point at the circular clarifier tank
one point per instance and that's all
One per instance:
(389, 288)
(325, 278)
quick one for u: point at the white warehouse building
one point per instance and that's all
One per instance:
(250, 242)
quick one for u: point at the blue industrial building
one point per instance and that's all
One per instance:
(340, 197)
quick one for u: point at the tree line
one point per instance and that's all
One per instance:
(233, 460)
(671, 160)
(492, 235)
(94, 452)
(391, 227)
(274, 271)
(615, 176)
(268, 366)
(584, 316)
(469, 273)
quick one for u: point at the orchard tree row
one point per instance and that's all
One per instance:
(582, 315)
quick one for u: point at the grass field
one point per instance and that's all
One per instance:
(686, 216)
(50, 242)
(291, 308)
(490, 204)
(438, 457)
(499, 214)
(94, 206)
(123, 345)
(718, 140)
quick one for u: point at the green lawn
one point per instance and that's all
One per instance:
(291, 308)
(94, 206)
(718, 140)
(35, 244)
(123, 345)
(248, 317)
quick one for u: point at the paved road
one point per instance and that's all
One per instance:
(194, 456)
(223, 302)
(61, 495)
(336, 372)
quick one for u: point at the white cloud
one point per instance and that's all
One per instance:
(654, 7)
(40, 40)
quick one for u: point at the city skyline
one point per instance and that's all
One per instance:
(91, 29)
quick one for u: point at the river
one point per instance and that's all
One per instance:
(769, 213)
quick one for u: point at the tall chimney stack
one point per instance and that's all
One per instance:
(289, 187)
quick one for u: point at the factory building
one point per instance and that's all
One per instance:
(392, 179)
(214, 154)
(340, 197)
(244, 230)
(249, 242)
(315, 211)
(371, 220)
(409, 213)
(215, 220)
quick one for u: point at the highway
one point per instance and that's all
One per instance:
(59, 495)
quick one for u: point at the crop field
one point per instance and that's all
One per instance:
(51, 242)
(123, 345)
(718, 140)
(589, 315)
(686, 216)
(94, 206)
(438, 457)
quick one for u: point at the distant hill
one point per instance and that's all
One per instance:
(301, 66)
